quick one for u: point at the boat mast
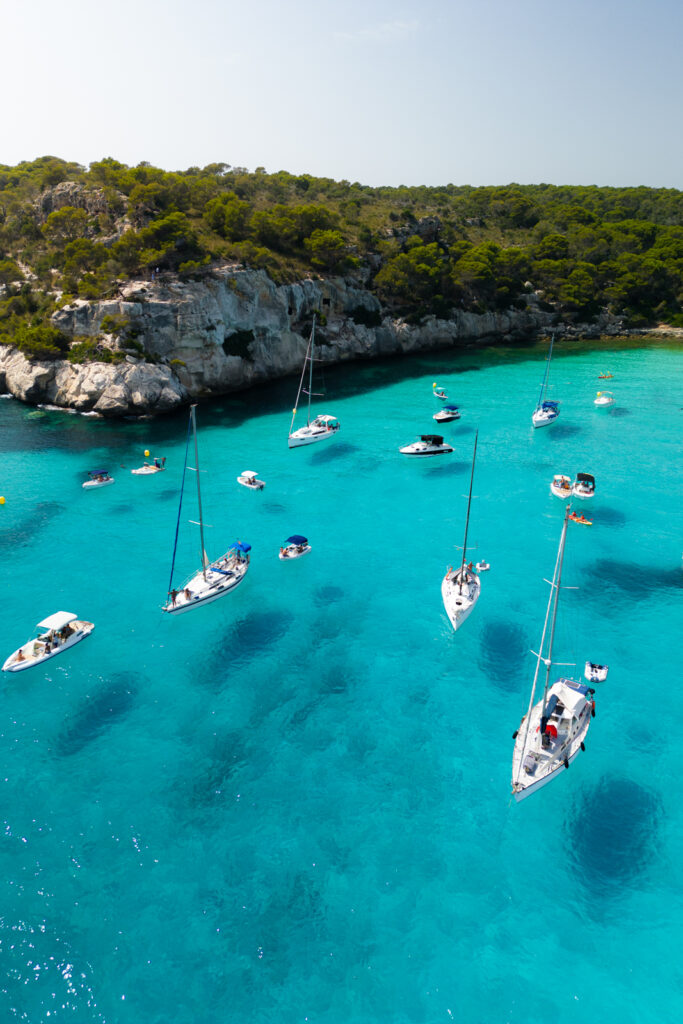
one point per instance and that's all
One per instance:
(199, 490)
(309, 354)
(310, 375)
(548, 660)
(467, 520)
(547, 371)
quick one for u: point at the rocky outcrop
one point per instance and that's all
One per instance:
(229, 330)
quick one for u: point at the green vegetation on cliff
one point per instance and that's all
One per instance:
(67, 231)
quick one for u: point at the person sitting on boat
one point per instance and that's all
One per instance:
(20, 655)
(188, 594)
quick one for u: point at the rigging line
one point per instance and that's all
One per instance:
(308, 355)
(539, 657)
(180, 506)
(199, 491)
(467, 520)
(547, 371)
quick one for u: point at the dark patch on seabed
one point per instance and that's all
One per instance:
(246, 639)
(558, 431)
(608, 517)
(328, 594)
(504, 648)
(449, 467)
(273, 507)
(613, 835)
(619, 411)
(629, 577)
(98, 712)
(226, 756)
(24, 532)
(335, 451)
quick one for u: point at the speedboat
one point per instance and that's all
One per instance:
(429, 444)
(157, 466)
(584, 486)
(294, 547)
(56, 633)
(249, 479)
(561, 486)
(603, 399)
(322, 427)
(439, 392)
(98, 478)
(595, 673)
(448, 413)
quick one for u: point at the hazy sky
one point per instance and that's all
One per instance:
(477, 92)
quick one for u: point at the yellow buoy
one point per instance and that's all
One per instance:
(146, 453)
(2, 501)
(434, 384)
(293, 410)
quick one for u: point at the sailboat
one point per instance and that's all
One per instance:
(214, 579)
(553, 730)
(460, 589)
(322, 427)
(545, 412)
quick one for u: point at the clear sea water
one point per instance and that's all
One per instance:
(294, 805)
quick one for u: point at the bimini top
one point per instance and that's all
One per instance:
(586, 478)
(453, 408)
(296, 538)
(549, 405)
(57, 621)
(239, 545)
(431, 438)
(98, 472)
(326, 419)
(249, 474)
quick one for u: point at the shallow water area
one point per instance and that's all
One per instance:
(294, 803)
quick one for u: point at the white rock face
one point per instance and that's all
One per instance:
(227, 331)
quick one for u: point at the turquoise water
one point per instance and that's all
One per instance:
(293, 804)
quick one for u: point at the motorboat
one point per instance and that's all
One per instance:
(429, 444)
(603, 399)
(561, 486)
(148, 468)
(546, 411)
(250, 479)
(460, 588)
(580, 519)
(595, 673)
(584, 486)
(482, 566)
(215, 578)
(553, 731)
(439, 392)
(56, 633)
(448, 413)
(98, 478)
(322, 427)
(294, 547)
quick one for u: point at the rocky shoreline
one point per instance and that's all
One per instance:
(233, 328)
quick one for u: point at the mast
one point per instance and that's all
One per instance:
(310, 375)
(467, 520)
(309, 355)
(547, 371)
(199, 490)
(548, 660)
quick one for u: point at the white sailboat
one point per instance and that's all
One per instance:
(553, 730)
(322, 427)
(460, 589)
(546, 412)
(214, 579)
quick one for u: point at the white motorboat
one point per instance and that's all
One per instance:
(148, 468)
(460, 589)
(482, 566)
(250, 479)
(561, 486)
(546, 412)
(214, 579)
(294, 547)
(56, 634)
(322, 427)
(429, 444)
(98, 478)
(553, 731)
(439, 392)
(595, 673)
(584, 486)
(448, 413)
(603, 399)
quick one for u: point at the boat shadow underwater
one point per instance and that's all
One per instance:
(108, 704)
(503, 653)
(25, 531)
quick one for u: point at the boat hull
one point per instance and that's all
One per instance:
(307, 436)
(561, 492)
(459, 606)
(289, 557)
(90, 484)
(203, 592)
(543, 419)
(444, 449)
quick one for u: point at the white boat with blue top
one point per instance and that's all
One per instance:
(448, 413)
(98, 478)
(215, 578)
(553, 731)
(295, 546)
(546, 412)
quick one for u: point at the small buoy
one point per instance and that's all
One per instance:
(434, 384)
(293, 410)
(2, 501)
(146, 453)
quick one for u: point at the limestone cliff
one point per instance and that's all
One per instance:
(227, 331)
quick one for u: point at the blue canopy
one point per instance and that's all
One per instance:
(296, 538)
(453, 408)
(550, 405)
(240, 546)
(98, 472)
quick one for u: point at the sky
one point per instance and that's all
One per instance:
(589, 92)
